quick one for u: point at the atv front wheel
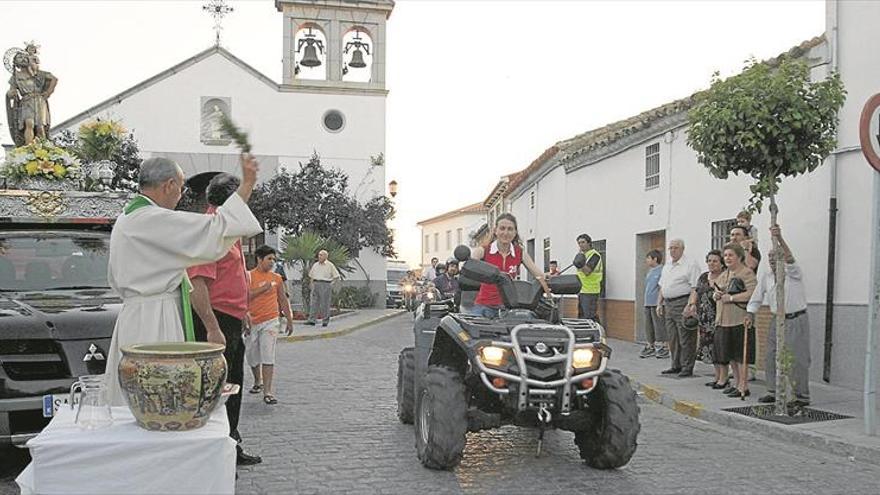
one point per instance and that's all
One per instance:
(609, 440)
(441, 418)
(406, 372)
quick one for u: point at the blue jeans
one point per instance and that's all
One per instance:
(484, 311)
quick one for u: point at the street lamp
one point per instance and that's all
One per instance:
(392, 188)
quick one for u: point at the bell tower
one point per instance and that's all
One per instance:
(338, 44)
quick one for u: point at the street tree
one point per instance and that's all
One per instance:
(768, 122)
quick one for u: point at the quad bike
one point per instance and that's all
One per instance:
(529, 367)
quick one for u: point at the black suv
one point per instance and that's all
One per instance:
(56, 318)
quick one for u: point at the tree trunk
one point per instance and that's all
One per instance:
(305, 289)
(781, 385)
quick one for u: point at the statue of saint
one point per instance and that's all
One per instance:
(27, 101)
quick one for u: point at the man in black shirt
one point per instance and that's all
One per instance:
(740, 235)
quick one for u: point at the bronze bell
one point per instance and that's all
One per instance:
(357, 59)
(310, 57)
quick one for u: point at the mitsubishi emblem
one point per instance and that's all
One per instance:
(541, 347)
(93, 354)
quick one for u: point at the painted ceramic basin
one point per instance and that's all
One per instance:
(172, 386)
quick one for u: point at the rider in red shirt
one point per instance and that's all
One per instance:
(505, 252)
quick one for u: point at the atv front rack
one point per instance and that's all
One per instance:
(528, 386)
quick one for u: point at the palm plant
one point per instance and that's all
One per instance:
(303, 250)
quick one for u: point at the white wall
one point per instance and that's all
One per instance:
(468, 222)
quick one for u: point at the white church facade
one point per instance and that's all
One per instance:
(331, 100)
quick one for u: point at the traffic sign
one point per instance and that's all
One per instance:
(865, 137)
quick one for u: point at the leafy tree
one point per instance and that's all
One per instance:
(768, 122)
(317, 199)
(302, 251)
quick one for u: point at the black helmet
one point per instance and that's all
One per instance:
(440, 268)
(452, 261)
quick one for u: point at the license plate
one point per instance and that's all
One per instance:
(51, 403)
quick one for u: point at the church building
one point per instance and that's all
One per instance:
(331, 100)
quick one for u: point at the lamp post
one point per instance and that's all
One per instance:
(392, 188)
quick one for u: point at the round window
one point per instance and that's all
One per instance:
(334, 121)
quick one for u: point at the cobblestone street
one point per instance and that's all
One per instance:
(335, 430)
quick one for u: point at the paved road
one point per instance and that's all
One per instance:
(335, 430)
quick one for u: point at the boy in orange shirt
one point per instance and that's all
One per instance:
(267, 302)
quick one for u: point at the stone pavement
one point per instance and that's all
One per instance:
(340, 325)
(690, 397)
(335, 430)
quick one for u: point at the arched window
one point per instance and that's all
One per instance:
(357, 55)
(310, 53)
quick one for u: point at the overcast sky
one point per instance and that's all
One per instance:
(478, 89)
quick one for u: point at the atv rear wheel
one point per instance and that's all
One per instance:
(441, 418)
(406, 372)
(609, 440)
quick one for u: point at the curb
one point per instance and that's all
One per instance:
(340, 333)
(762, 427)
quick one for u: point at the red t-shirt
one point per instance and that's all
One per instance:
(488, 295)
(226, 280)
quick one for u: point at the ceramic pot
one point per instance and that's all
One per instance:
(172, 386)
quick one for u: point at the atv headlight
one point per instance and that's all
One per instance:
(492, 355)
(430, 296)
(407, 288)
(583, 357)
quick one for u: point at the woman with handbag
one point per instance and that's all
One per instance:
(733, 288)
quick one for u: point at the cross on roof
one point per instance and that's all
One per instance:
(218, 10)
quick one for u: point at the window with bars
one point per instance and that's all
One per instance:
(546, 254)
(721, 232)
(532, 200)
(448, 240)
(436, 242)
(652, 166)
(458, 237)
(427, 244)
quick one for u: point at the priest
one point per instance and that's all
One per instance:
(152, 246)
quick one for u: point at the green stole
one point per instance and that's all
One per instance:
(185, 284)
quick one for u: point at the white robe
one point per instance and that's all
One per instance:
(150, 249)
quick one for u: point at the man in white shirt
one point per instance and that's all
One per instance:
(430, 273)
(676, 302)
(322, 274)
(797, 324)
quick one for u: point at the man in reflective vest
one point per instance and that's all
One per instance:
(591, 280)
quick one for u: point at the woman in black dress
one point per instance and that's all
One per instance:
(706, 305)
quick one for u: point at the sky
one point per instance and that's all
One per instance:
(478, 89)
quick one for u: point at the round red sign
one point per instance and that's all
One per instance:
(865, 138)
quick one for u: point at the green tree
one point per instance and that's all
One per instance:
(768, 122)
(317, 199)
(302, 251)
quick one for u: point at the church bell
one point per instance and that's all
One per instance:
(310, 57)
(357, 59)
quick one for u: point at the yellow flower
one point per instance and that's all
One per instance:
(60, 171)
(31, 168)
(42, 154)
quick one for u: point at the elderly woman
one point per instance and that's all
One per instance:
(733, 289)
(705, 305)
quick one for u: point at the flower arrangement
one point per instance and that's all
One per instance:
(99, 139)
(41, 159)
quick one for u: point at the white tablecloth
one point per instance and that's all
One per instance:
(125, 458)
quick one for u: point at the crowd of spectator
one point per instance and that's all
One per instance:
(711, 316)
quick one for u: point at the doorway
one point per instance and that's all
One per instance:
(644, 243)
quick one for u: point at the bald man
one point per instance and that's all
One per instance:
(323, 273)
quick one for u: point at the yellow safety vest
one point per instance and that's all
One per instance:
(592, 283)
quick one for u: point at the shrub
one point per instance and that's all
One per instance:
(353, 298)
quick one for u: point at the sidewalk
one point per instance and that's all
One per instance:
(340, 325)
(690, 397)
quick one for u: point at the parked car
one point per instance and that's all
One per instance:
(396, 272)
(57, 311)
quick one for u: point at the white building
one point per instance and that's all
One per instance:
(336, 107)
(635, 184)
(441, 234)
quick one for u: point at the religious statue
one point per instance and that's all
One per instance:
(27, 101)
(213, 111)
